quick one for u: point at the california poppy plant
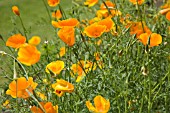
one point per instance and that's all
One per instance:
(35, 40)
(138, 28)
(17, 89)
(154, 39)
(72, 22)
(16, 41)
(66, 34)
(62, 86)
(101, 105)
(94, 30)
(137, 1)
(55, 67)
(28, 54)
(48, 107)
(77, 69)
(108, 23)
(90, 3)
(53, 3)
(16, 10)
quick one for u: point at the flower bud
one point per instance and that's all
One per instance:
(16, 10)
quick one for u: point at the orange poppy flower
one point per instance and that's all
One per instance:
(78, 69)
(137, 1)
(90, 3)
(66, 34)
(155, 39)
(16, 41)
(35, 40)
(17, 89)
(101, 105)
(168, 15)
(16, 10)
(108, 23)
(94, 30)
(57, 14)
(62, 51)
(137, 28)
(62, 86)
(28, 54)
(48, 107)
(72, 22)
(56, 67)
(109, 4)
(53, 3)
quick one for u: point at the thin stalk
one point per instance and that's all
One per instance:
(25, 31)
(48, 12)
(26, 75)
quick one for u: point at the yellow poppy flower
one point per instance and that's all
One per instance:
(56, 67)
(101, 105)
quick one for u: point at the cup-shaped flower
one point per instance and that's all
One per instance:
(101, 105)
(48, 107)
(55, 67)
(139, 2)
(63, 86)
(72, 22)
(15, 10)
(53, 3)
(17, 89)
(16, 41)
(108, 23)
(35, 40)
(66, 34)
(28, 54)
(90, 3)
(154, 39)
(94, 30)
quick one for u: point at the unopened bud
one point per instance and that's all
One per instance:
(16, 10)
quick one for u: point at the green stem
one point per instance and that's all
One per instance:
(26, 75)
(48, 12)
(25, 31)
